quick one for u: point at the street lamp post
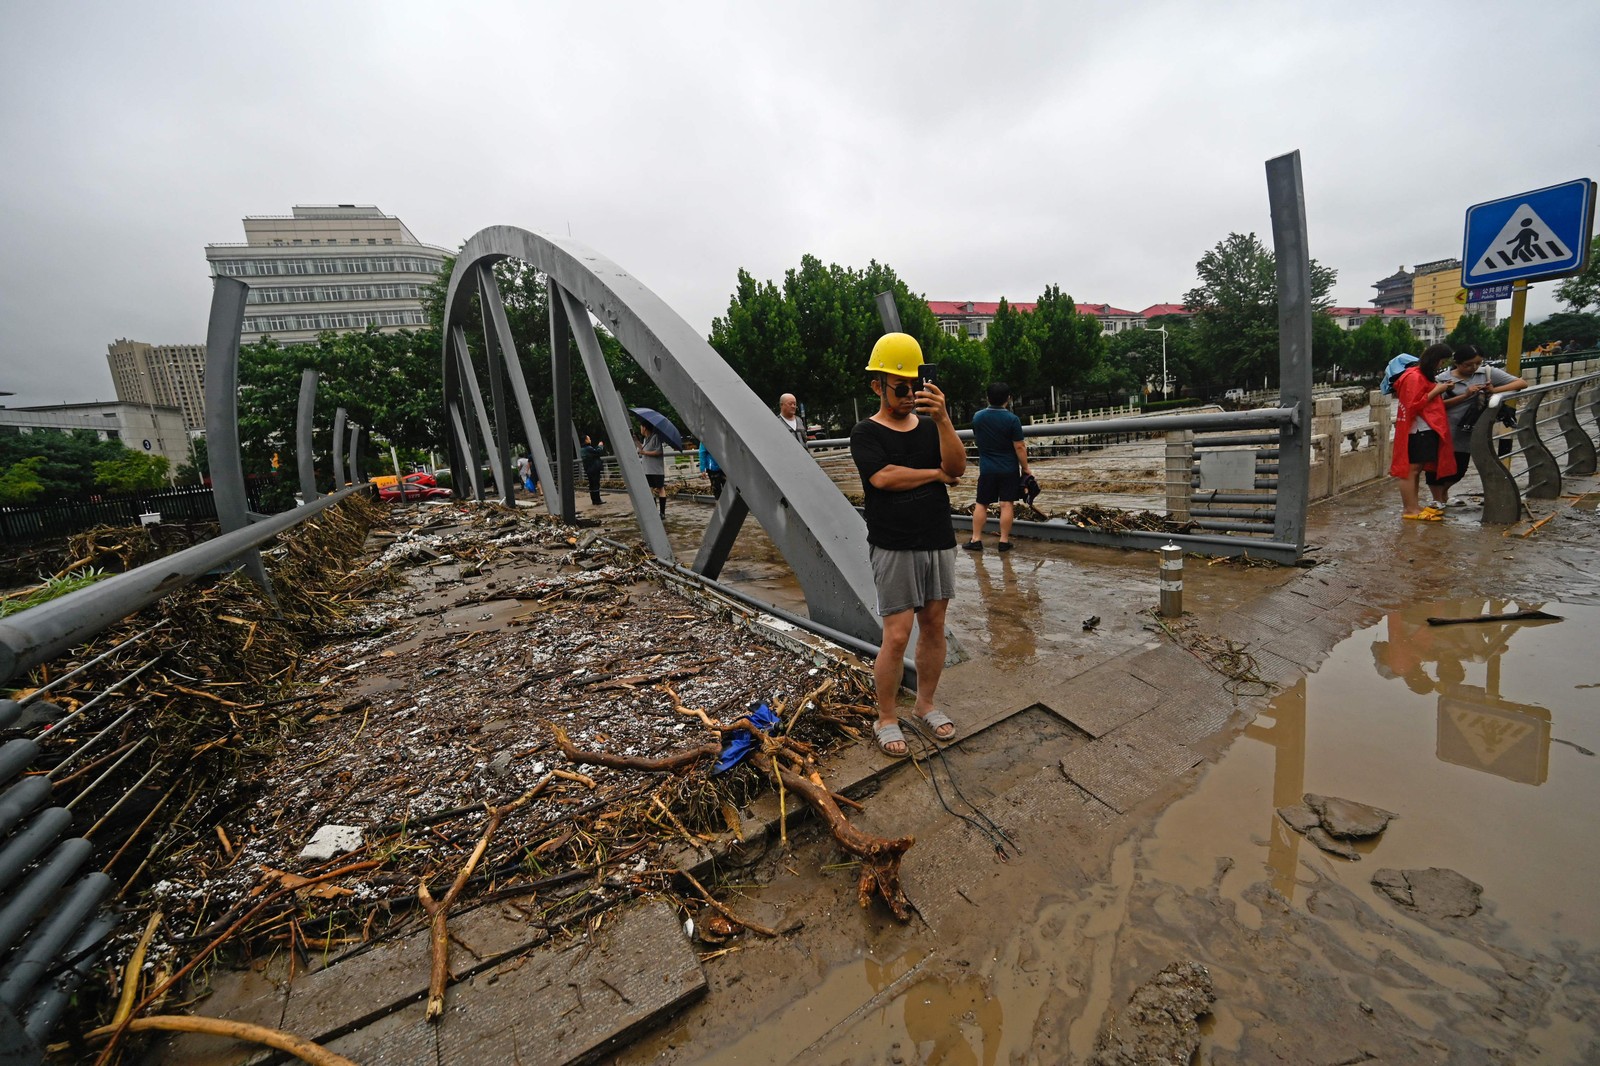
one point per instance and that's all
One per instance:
(1164, 386)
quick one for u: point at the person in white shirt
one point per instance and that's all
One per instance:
(788, 408)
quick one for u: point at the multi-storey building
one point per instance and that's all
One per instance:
(1394, 290)
(165, 375)
(152, 428)
(1429, 328)
(337, 267)
(1436, 286)
(974, 318)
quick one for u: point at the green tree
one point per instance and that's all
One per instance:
(66, 460)
(132, 472)
(1068, 345)
(964, 374)
(1582, 290)
(20, 483)
(812, 335)
(1236, 306)
(197, 467)
(1013, 352)
(1470, 329)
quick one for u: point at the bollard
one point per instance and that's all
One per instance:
(1171, 581)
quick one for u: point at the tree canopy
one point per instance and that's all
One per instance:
(1582, 290)
(49, 463)
(1236, 309)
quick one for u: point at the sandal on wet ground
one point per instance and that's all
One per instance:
(940, 724)
(891, 734)
(1424, 516)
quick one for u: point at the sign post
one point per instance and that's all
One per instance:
(1531, 236)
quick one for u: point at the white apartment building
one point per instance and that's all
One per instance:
(1428, 327)
(165, 375)
(150, 428)
(339, 267)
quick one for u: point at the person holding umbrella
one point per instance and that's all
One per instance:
(650, 447)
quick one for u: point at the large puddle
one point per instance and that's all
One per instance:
(1481, 736)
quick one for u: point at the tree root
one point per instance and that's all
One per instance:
(439, 910)
(299, 1047)
(666, 764)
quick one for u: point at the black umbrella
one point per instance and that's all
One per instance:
(661, 424)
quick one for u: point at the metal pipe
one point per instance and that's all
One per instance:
(55, 729)
(113, 768)
(40, 633)
(21, 800)
(34, 957)
(47, 1008)
(124, 798)
(76, 670)
(38, 890)
(21, 850)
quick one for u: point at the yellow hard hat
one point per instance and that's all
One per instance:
(896, 353)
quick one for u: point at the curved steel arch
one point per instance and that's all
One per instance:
(820, 535)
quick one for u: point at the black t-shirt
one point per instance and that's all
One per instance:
(914, 520)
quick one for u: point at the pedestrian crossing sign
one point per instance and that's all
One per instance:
(1539, 234)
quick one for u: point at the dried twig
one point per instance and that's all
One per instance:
(299, 1047)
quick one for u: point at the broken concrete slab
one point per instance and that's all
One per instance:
(1300, 819)
(1348, 819)
(331, 840)
(1160, 1023)
(1432, 892)
(1328, 843)
(560, 1004)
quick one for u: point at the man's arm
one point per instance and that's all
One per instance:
(1022, 454)
(901, 478)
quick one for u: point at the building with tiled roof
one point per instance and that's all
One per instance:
(972, 317)
(1429, 327)
(1166, 310)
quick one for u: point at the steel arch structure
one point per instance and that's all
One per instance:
(769, 476)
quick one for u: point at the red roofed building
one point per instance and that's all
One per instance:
(1163, 310)
(973, 317)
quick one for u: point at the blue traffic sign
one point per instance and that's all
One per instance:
(1538, 234)
(1489, 293)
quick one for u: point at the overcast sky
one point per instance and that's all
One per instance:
(980, 150)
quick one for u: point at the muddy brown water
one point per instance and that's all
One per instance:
(1482, 737)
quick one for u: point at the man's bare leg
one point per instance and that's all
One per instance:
(1008, 513)
(930, 653)
(980, 516)
(889, 668)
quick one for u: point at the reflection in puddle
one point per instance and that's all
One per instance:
(1479, 735)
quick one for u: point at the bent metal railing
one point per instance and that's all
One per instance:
(814, 527)
(1550, 442)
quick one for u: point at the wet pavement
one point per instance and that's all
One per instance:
(1110, 809)
(1481, 737)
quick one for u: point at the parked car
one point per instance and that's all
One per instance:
(413, 491)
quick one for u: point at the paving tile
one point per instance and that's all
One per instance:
(564, 1003)
(1127, 766)
(1102, 699)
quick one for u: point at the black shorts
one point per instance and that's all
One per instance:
(1422, 448)
(1462, 459)
(656, 481)
(1006, 488)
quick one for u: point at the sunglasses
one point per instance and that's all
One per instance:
(900, 389)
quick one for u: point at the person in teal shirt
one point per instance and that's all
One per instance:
(1002, 464)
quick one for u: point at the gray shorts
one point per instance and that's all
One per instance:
(909, 580)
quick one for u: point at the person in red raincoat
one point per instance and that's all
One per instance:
(1421, 432)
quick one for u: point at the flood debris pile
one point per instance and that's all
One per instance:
(531, 716)
(1160, 1024)
(1114, 520)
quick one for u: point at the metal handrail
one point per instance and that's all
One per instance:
(40, 633)
(1262, 418)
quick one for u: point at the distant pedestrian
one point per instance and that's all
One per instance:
(1421, 432)
(591, 453)
(788, 412)
(529, 476)
(1002, 464)
(713, 472)
(651, 447)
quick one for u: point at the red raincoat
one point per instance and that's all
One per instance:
(1411, 387)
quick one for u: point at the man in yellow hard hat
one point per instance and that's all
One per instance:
(908, 454)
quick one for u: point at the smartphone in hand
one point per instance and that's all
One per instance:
(927, 373)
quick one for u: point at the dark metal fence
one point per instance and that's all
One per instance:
(62, 518)
(1557, 430)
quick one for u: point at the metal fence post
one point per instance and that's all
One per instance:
(305, 458)
(1286, 194)
(1180, 474)
(1171, 581)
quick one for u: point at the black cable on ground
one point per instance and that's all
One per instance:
(934, 755)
